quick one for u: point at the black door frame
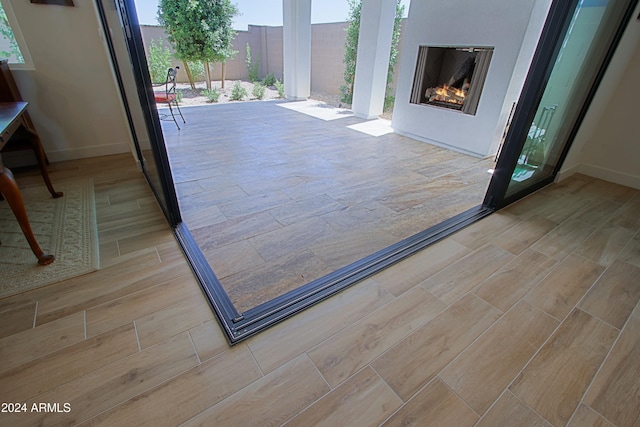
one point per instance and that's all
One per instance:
(166, 194)
(550, 43)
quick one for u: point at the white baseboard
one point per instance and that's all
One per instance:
(443, 145)
(84, 152)
(26, 157)
(610, 175)
(566, 173)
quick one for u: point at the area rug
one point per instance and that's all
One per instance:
(65, 227)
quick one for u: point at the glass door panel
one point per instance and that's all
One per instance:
(592, 28)
(122, 35)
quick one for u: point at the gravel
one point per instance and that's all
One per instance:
(196, 97)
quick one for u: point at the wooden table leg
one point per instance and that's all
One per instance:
(42, 162)
(11, 192)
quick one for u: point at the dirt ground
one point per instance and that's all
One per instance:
(196, 97)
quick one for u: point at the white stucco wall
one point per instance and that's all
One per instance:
(512, 28)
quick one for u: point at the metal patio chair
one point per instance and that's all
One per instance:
(169, 96)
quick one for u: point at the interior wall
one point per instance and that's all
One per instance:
(73, 98)
(607, 145)
(490, 23)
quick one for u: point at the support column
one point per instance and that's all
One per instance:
(374, 47)
(297, 48)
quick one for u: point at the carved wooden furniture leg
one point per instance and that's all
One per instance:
(11, 192)
(42, 162)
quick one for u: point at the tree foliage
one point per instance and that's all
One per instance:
(7, 33)
(252, 66)
(351, 50)
(159, 60)
(199, 30)
(393, 55)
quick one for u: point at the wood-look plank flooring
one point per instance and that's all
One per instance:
(277, 198)
(523, 342)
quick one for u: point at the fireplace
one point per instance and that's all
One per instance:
(450, 77)
(503, 35)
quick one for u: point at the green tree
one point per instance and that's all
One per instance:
(252, 66)
(7, 33)
(199, 30)
(393, 55)
(351, 51)
(159, 60)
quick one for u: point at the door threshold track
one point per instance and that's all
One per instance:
(239, 326)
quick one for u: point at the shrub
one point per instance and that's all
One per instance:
(388, 103)
(212, 95)
(197, 70)
(270, 80)
(252, 67)
(351, 50)
(258, 90)
(238, 92)
(280, 87)
(179, 96)
(159, 61)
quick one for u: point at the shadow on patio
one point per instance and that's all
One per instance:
(276, 198)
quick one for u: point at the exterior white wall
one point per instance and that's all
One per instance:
(297, 48)
(491, 23)
(374, 48)
(607, 145)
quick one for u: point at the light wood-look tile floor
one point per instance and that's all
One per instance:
(528, 317)
(276, 198)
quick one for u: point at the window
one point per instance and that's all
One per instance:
(12, 45)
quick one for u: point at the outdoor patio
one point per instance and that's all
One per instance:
(276, 197)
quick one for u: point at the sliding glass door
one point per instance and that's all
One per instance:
(578, 41)
(124, 43)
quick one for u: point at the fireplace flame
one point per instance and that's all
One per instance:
(446, 94)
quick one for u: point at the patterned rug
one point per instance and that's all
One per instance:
(65, 227)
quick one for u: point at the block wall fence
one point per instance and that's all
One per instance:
(327, 54)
